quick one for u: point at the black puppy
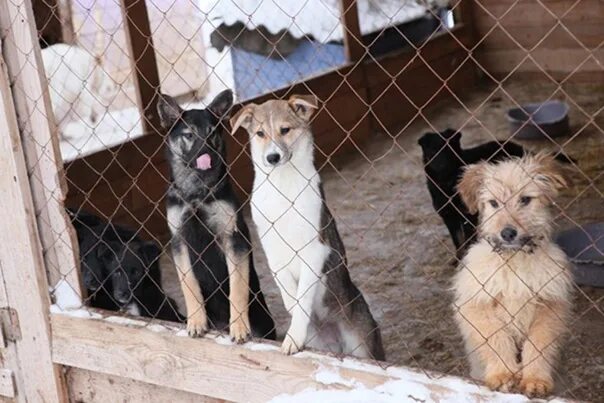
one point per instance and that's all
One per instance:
(210, 240)
(133, 267)
(444, 161)
(96, 279)
(119, 270)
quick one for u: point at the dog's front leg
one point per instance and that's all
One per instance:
(238, 262)
(540, 349)
(486, 337)
(197, 321)
(310, 282)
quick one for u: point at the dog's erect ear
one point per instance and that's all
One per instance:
(221, 104)
(550, 173)
(169, 111)
(453, 138)
(469, 185)
(243, 118)
(424, 141)
(303, 105)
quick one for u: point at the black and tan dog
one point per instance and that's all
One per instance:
(210, 240)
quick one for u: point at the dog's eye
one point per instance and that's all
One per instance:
(525, 200)
(284, 131)
(260, 133)
(188, 135)
(493, 203)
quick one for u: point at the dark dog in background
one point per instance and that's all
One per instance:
(119, 270)
(444, 161)
(210, 239)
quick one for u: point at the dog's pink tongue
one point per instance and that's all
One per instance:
(204, 162)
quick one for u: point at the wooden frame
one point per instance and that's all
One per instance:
(203, 367)
(146, 358)
(39, 135)
(24, 301)
(355, 104)
(142, 61)
(53, 21)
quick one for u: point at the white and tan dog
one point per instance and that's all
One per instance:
(513, 288)
(299, 235)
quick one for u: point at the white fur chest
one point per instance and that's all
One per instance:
(517, 282)
(286, 208)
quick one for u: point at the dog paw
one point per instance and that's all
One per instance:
(536, 387)
(502, 382)
(240, 331)
(197, 325)
(289, 346)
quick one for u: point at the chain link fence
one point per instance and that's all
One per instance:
(402, 97)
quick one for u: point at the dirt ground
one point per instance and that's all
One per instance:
(399, 250)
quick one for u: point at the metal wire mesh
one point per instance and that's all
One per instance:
(383, 73)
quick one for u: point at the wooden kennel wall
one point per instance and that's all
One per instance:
(53, 356)
(561, 38)
(128, 181)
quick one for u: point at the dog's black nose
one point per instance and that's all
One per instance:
(508, 234)
(273, 158)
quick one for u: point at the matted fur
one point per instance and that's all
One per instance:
(512, 297)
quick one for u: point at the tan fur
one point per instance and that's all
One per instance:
(264, 124)
(471, 180)
(514, 299)
(197, 320)
(224, 218)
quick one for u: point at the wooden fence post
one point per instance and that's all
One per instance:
(40, 140)
(142, 61)
(24, 295)
(353, 39)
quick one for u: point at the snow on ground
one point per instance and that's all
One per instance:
(65, 296)
(411, 387)
(114, 127)
(328, 376)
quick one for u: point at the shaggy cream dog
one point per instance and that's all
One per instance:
(513, 288)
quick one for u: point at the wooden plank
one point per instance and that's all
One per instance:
(558, 61)
(8, 350)
(7, 383)
(142, 61)
(95, 387)
(247, 373)
(353, 39)
(41, 144)
(66, 20)
(588, 35)
(53, 21)
(425, 91)
(463, 11)
(402, 65)
(527, 23)
(22, 263)
(540, 12)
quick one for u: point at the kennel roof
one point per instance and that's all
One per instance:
(318, 18)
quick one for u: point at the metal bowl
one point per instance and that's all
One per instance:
(540, 120)
(584, 247)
